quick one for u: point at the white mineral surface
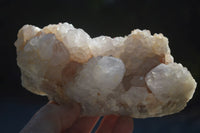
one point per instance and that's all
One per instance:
(133, 75)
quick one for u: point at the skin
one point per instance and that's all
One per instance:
(54, 118)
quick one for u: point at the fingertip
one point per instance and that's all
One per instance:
(83, 125)
(124, 124)
(107, 124)
(67, 113)
(53, 118)
(63, 109)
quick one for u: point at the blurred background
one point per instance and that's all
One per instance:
(177, 20)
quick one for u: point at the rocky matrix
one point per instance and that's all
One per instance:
(133, 75)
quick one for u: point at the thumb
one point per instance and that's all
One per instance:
(53, 118)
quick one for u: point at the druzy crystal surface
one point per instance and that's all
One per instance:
(133, 75)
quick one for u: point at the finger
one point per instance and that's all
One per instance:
(107, 124)
(83, 125)
(123, 125)
(53, 118)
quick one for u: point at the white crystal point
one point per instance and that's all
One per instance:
(172, 85)
(133, 75)
(100, 78)
(108, 72)
(25, 33)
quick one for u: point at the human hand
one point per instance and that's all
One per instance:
(54, 118)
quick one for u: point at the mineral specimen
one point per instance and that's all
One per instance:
(133, 75)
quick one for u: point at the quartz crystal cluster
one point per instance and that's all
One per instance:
(133, 75)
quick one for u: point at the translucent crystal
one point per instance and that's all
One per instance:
(133, 75)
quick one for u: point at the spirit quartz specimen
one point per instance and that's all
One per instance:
(133, 75)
